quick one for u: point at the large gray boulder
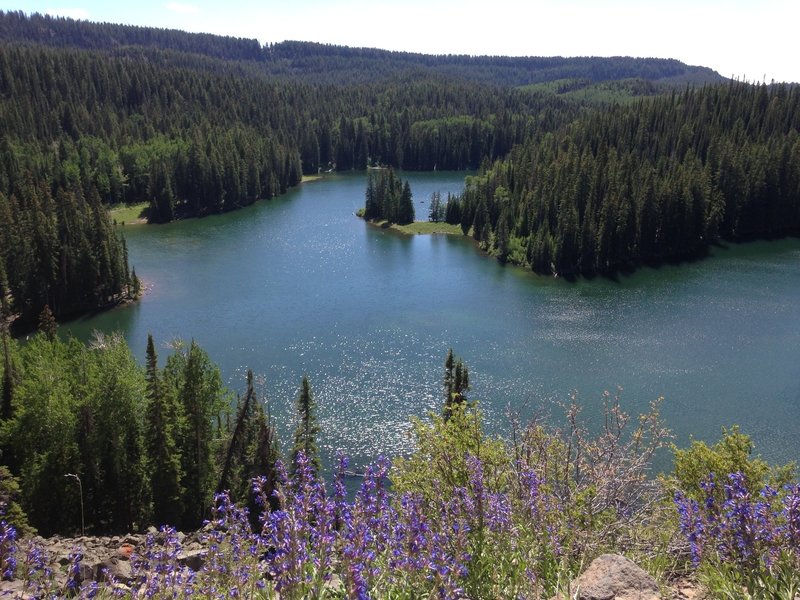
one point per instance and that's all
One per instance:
(613, 577)
(116, 568)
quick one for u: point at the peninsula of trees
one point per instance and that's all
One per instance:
(660, 179)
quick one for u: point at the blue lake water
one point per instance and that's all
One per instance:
(299, 285)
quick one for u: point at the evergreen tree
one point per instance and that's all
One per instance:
(161, 430)
(135, 285)
(117, 446)
(7, 406)
(237, 467)
(265, 458)
(201, 398)
(456, 383)
(371, 205)
(47, 323)
(436, 210)
(452, 213)
(449, 377)
(305, 435)
(405, 206)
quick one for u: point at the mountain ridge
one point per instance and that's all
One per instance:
(332, 63)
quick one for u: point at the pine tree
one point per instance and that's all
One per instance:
(202, 399)
(405, 206)
(7, 406)
(162, 449)
(435, 210)
(135, 285)
(452, 214)
(237, 463)
(305, 436)
(265, 457)
(371, 205)
(449, 366)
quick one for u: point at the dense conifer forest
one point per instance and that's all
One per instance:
(661, 179)
(193, 135)
(94, 115)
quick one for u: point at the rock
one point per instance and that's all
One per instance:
(686, 589)
(114, 569)
(85, 572)
(194, 559)
(613, 577)
(13, 589)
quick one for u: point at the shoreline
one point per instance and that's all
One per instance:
(123, 215)
(417, 227)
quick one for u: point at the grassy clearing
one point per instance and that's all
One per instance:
(309, 178)
(426, 227)
(133, 214)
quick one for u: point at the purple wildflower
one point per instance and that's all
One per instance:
(8, 550)
(691, 525)
(74, 571)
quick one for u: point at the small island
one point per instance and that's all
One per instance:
(389, 205)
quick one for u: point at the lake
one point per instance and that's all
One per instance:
(299, 285)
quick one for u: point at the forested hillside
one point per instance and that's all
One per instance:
(326, 63)
(84, 129)
(100, 114)
(661, 179)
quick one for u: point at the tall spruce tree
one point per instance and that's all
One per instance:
(161, 431)
(202, 399)
(7, 406)
(7, 402)
(265, 457)
(405, 205)
(237, 466)
(47, 323)
(305, 436)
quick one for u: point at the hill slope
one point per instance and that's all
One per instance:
(325, 63)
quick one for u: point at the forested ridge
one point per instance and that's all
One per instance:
(328, 63)
(658, 180)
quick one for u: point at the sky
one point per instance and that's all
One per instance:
(752, 40)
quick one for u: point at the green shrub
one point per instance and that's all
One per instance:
(731, 454)
(10, 510)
